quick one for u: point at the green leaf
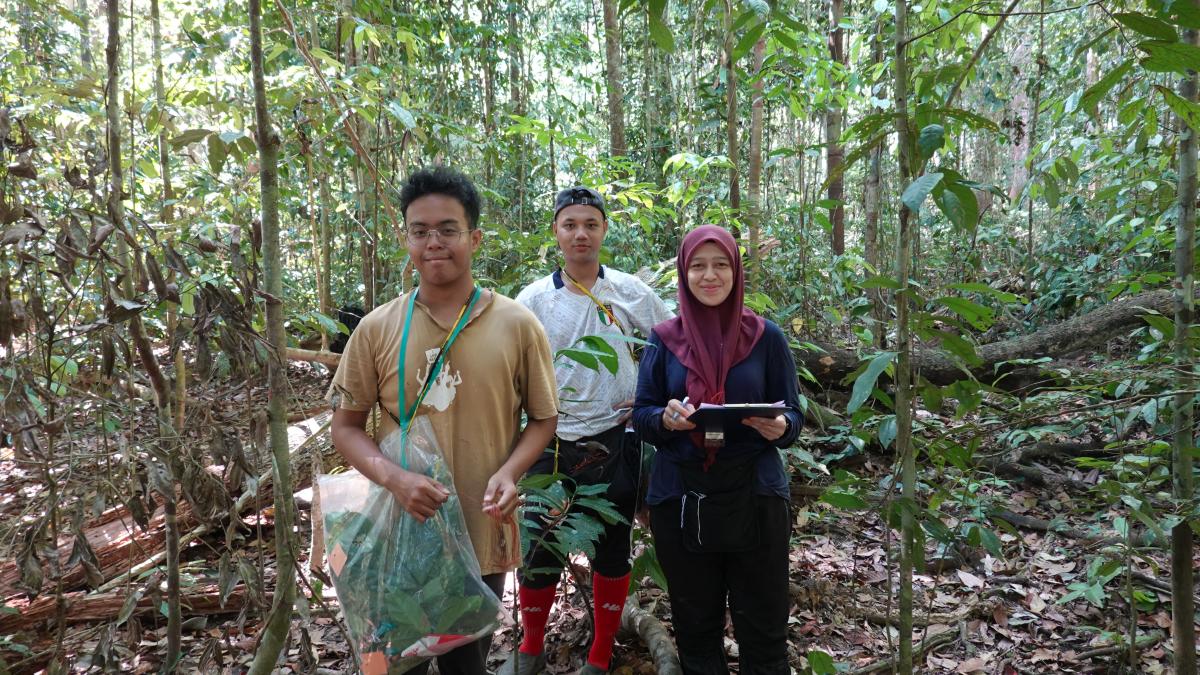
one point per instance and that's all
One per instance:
(959, 204)
(1002, 296)
(661, 34)
(188, 137)
(843, 500)
(972, 120)
(216, 153)
(864, 384)
(1188, 111)
(402, 115)
(821, 663)
(1170, 57)
(747, 42)
(1094, 94)
(973, 313)
(918, 190)
(881, 282)
(1148, 26)
(930, 140)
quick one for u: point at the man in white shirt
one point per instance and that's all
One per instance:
(592, 446)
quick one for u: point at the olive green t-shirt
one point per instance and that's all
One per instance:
(499, 365)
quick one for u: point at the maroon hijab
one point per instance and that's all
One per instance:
(709, 341)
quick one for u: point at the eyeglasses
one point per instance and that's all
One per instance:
(442, 234)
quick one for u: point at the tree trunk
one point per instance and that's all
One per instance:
(904, 393)
(731, 118)
(85, 33)
(1182, 565)
(275, 634)
(174, 615)
(754, 217)
(516, 103)
(833, 132)
(872, 206)
(616, 94)
(1033, 125)
(489, 91)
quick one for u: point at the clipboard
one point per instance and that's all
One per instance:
(709, 415)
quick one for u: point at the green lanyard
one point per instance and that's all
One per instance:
(464, 315)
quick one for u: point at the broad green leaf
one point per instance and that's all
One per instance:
(1170, 57)
(747, 42)
(821, 663)
(881, 282)
(1052, 190)
(216, 153)
(661, 34)
(1002, 296)
(1148, 26)
(1188, 111)
(959, 204)
(843, 500)
(972, 120)
(188, 137)
(402, 115)
(1094, 94)
(864, 384)
(918, 190)
(973, 313)
(930, 140)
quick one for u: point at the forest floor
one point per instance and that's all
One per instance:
(977, 613)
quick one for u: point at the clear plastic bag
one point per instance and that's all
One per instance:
(409, 591)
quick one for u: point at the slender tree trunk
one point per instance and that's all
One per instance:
(1183, 606)
(1033, 124)
(85, 33)
(489, 91)
(616, 93)
(872, 206)
(275, 634)
(904, 394)
(516, 102)
(166, 212)
(754, 179)
(731, 117)
(833, 132)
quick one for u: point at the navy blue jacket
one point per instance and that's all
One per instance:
(766, 375)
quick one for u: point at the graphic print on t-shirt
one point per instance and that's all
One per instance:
(441, 394)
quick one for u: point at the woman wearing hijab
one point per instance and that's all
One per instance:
(718, 495)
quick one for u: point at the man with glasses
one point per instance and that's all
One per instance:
(584, 298)
(496, 365)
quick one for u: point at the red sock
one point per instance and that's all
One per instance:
(609, 595)
(535, 612)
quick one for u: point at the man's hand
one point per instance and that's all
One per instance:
(500, 497)
(626, 409)
(770, 428)
(418, 494)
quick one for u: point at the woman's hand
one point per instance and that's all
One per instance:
(674, 417)
(770, 428)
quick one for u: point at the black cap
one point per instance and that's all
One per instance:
(581, 195)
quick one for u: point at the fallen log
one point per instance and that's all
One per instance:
(82, 608)
(331, 359)
(653, 634)
(1082, 332)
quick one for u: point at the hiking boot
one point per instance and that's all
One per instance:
(527, 664)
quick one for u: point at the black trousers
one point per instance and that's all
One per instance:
(754, 583)
(613, 547)
(469, 659)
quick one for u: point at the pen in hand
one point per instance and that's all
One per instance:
(684, 402)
